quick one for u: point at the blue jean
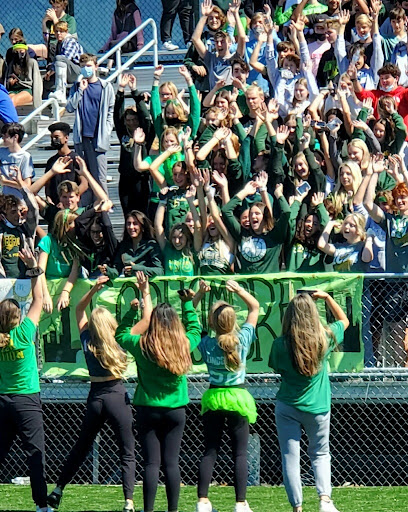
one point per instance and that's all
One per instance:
(289, 423)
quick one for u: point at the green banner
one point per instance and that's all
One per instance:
(60, 336)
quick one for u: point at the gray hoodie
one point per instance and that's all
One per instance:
(105, 114)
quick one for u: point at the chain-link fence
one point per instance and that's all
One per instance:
(93, 17)
(369, 414)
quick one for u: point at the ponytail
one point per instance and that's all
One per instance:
(224, 322)
(4, 339)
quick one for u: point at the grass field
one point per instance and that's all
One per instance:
(99, 498)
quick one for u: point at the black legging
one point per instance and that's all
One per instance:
(22, 415)
(107, 401)
(160, 430)
(238, 430)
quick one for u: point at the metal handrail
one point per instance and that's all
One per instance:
(55, 110)
(118, 52)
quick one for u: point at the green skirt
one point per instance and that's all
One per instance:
(230, 399)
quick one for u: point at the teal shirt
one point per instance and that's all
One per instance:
(18, 364)
(308, 394)
(157, 387)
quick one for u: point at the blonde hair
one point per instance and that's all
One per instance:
(178, 109)
(255, 88)
(165, 341)
(10, 316)
(363, 18)
(305, 335)
(360, 144)
(61, 224)
(172, 88)
(360, 224)
(340, 196)
(170, 130)
(61, 25)
(224, 322)
(102, 327)
(301, 81)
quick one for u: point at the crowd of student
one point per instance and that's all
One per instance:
(289, 155)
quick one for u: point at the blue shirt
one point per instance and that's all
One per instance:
(94, 366)
(90, 104)
(213, 356)
(8, 112)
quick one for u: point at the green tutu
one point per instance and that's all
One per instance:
(230, 399)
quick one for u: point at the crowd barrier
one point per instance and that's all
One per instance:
(368, 374)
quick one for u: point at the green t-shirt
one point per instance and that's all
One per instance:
(308, 394)
(176, 263)
(59, 262)
(11, 243)
(157, 387)
(302, 259)
(166, 169)
(18, 364)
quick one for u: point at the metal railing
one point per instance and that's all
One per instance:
(117, 51)
(56, 116)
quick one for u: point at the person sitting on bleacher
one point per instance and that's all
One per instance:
(15, 36)
(13, 158)
(52, 16)
(23, 78)
(65, 68)
(126, 18)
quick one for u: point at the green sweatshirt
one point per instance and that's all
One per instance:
(301, 258)
(193, 119)
(146, 257)
(157, 387)
(257, 254)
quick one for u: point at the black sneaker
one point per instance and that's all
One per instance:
(54, 499)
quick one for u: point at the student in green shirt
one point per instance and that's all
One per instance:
(300, 355)
(20, 404)
(161, 346)
(259, 247)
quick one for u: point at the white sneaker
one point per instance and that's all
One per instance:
(327, 506)
(168, 45)
(204, 507)
(242, 507)
(60, 96)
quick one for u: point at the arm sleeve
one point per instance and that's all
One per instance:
(230, 221)
(322, 215)
(294, 212)
(156, 111)
(74, 98)
(118, 111)
(400, 131)
(191, 324)
(137, 18)
(341, 54)
(123, 337)
(377, 58)
(282, 224)
(195, 110)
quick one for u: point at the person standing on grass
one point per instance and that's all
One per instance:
(227, 400)
(161, 346)
(301, 355)
(107, 400)
(92, 100)
(20, 403)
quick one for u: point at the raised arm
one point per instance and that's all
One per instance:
(60, 167)
(373, 210)
(250, 301)
(334, 307)
(144, 288)
(34, 272)
(206, 8)
(323, 243)
(100, 194)
(157, 162)
(159, 223)
(241, 36)
(81, 317)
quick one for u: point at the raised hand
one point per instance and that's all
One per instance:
(368, 103)
(250, 188)
(317, 198)
(206, 7)
(204, 286)
(200, 70)
(124, 81)
(142, 281)
(232, 286)
(220, 179)
(132, 82)
(262, 180)
(81, 164)
(83, 84)
(377, 163)
(27, 257)
(191, 192)
(234, 6)
(278, 190)
(344, 17)
(352, 72)
(221, 133)
(361, 125)
(139, 136)
(184, 72)
(174, 148)
(100, 282)
(60, 166)
(158, 71)
(304, 141)
(389, 105)
(282, 133)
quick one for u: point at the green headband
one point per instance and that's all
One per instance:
(19, 46)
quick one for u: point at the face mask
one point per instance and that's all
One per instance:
(258, 30)
(87, 71)
(172, 122)
(387, 89)
(56, 144)
(365, 36)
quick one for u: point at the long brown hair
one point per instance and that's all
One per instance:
(305, 335)
(10, 316)
(102, 327)
(224, 322)
(165, 341)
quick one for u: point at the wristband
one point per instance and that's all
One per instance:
(353, 79)
(34, 272)
(66, 291)
(262, 189)
(156, 78)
